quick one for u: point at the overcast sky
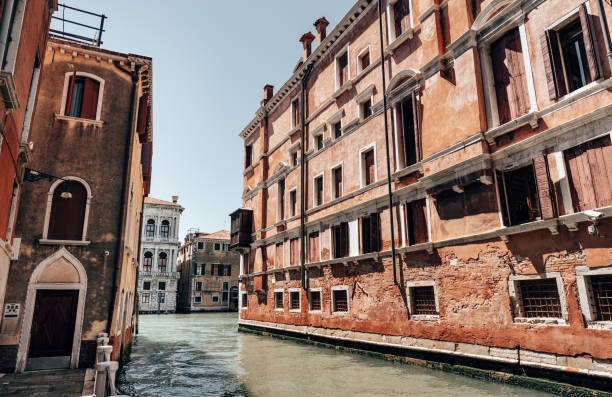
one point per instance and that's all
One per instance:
(211, 60)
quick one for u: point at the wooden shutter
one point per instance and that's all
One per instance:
(501, 77)
(589, 44)
(70, 92)
(314, 247)
(417, 126)
(501, 188)
(366, 235)
(90, 99)
(369, 167)
(67, 214)
(416, 222)
(540, 168)
(599, 154)
(143, 104)
(338, 182)
(279, 256)
(401, 11)
(552, 64)
(375, 240)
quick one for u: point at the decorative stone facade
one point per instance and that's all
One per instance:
(158, 275)
(499, 174)
(209, 273)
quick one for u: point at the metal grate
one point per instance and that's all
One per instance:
(540, 298)
(294, 300)
(340, 301)
(278, 300)
(315, 300)
(423, 300)
(602, 296)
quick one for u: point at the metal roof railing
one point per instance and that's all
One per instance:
(79, 25)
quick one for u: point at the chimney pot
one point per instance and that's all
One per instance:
(268, 92)
(175, 199)
(306, 40)
(321, 26)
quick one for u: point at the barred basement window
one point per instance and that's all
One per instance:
(197, 299)
(294, 300)
(602, 297)
(423, 300)
(315, 300)
(340, 300)
(245, 300)
(540, 298)
(278, 300)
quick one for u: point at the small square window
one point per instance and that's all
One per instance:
(364, 59)
(338, 129)
(366, 109)
(197, 299)
(200, 245)
(340, 300)
(217, 246)
(278, 300)
(215, 299)
(315, 301)
(294, 300)
(146, 285)
(294, 158)
(162, 286)
(319, 142)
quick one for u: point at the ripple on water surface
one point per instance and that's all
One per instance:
(204, 355)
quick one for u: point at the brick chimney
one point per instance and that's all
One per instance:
(307, 40)
(268, 92)
(175, 199)
(321, 26)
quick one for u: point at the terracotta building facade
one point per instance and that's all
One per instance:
(158, 274)
(498, 166)
(80, 218)
(209, 273)
(24, 27)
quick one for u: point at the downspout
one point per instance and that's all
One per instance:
(390, 190)
(303, 177)
(124, 195)
(606, 31)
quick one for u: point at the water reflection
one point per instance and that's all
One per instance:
(203, 355)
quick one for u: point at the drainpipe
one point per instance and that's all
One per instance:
(303, 177)
(390, 190)
(606, 31)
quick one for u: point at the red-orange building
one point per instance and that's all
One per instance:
(24, 27)
(499, 174)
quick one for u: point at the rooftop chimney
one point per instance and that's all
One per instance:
(175, 199)
(268, 92)
(307, 40)
(321, 26)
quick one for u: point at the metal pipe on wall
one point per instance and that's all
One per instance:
(303, 177)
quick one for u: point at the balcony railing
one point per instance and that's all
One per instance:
(160, 274)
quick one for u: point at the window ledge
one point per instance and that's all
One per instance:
(97, 123)
(347, 86)
(416, 167)
(315, 312)
(540, 321)
(425, 317)
(530, 118)
(340, 313)
(279, 310)
(399, 40)
(602, 325)
(295, 311)
(63, 242)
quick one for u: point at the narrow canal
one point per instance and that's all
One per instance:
(204, 355)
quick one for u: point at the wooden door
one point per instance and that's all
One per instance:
(53, 323)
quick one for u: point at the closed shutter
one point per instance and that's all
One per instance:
(314, 247)
(89, 106)
(417, 126)
(501, 77)
(401, 11)
(589, 44)
(540, 168)
(142, 114)
(279, 256)
(369, 167)
(552, 64)
(419, 217)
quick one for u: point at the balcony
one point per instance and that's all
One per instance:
(160, 275)
(242, 226)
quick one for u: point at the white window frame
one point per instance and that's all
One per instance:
(147, 295)
(361, 53)
(321, 175)
(195, 299)
(67, 77)
(514, 292)
(333, 180)
(348, 300)
(213, 299)
(282, 291)
(345, 50)
(320, 291)
(299, 291)
(362, 152)
(391, 20)
(410, 285)
(585, 295)
(318, 132)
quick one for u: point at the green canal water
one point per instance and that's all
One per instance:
(205, 355)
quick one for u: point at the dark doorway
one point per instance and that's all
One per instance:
(52, 329)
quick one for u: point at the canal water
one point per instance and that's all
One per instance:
(205, 355)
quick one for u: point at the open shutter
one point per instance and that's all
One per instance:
(501, 188)
(600, 160)
(552, 64)
(143, 111)
(375, 226)
(89, 107)
(519, 96)
(589, 44)
(540, 168)
(501, 76)
(344, 239)
(417, 125)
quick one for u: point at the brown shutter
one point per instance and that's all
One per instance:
(369, 167)
(338, 181)
(279, 256)
(552, 64)
(501, 188)
(375, 226)
(314, 247)
(501, 77)
(142, 114)
(540, 167)
(90, 99)
(581, 183)
(417, 126)
(67, 214)
(344, 239)
(70, 91)
(418, 222)
(589, 44)
(519, 96)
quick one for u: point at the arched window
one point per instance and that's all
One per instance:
(82, 97)
(165, 229)
(150, 228)
(147, 263)
(67, 211)
(162, 262)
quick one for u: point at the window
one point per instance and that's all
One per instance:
(294, 251)
(225, 286)
(145, 298)
(279, 260)
(590, 185)
(423, 300)
(318, 190)
(162, 298)
(363, 60)
(150, 228)
(416, 222)
(319, 141)
(601, 287)
(294, 159)
(198, 286)
(370, 233)
(315, 300)
(147, 263)
(313, 244)
(161, 286)
(337, 129)
(224, 296)
(294, 300)
(203, 269)
(245, 300)
(162, 262)
(278, 300)
(82, 97)
(342, 68)
(215, 299)
(217, 247)
(368, 164)
(293, 202)
(146, 285)
(67, 215)
(200, 245)
(295, 112)
(366, 109)
(248, 156)
(340, 299)
(570, 59)
(340, 240)
(520, 196)
(197, 299)
(337, 182)
(401, 17)
(281, 200)
(408, 136)
(228, 270)
(539, 298)
(226, 247)
(164, 230)
(195, 269)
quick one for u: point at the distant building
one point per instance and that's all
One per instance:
(157, 274)
(209, 273)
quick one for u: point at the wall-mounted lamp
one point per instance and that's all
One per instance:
(31, 175)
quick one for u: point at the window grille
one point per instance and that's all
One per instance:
(602, 296)
(424, 301)
(540, 298)
(340, 301)
(294, 300)
(278, 300)
(315, 300)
